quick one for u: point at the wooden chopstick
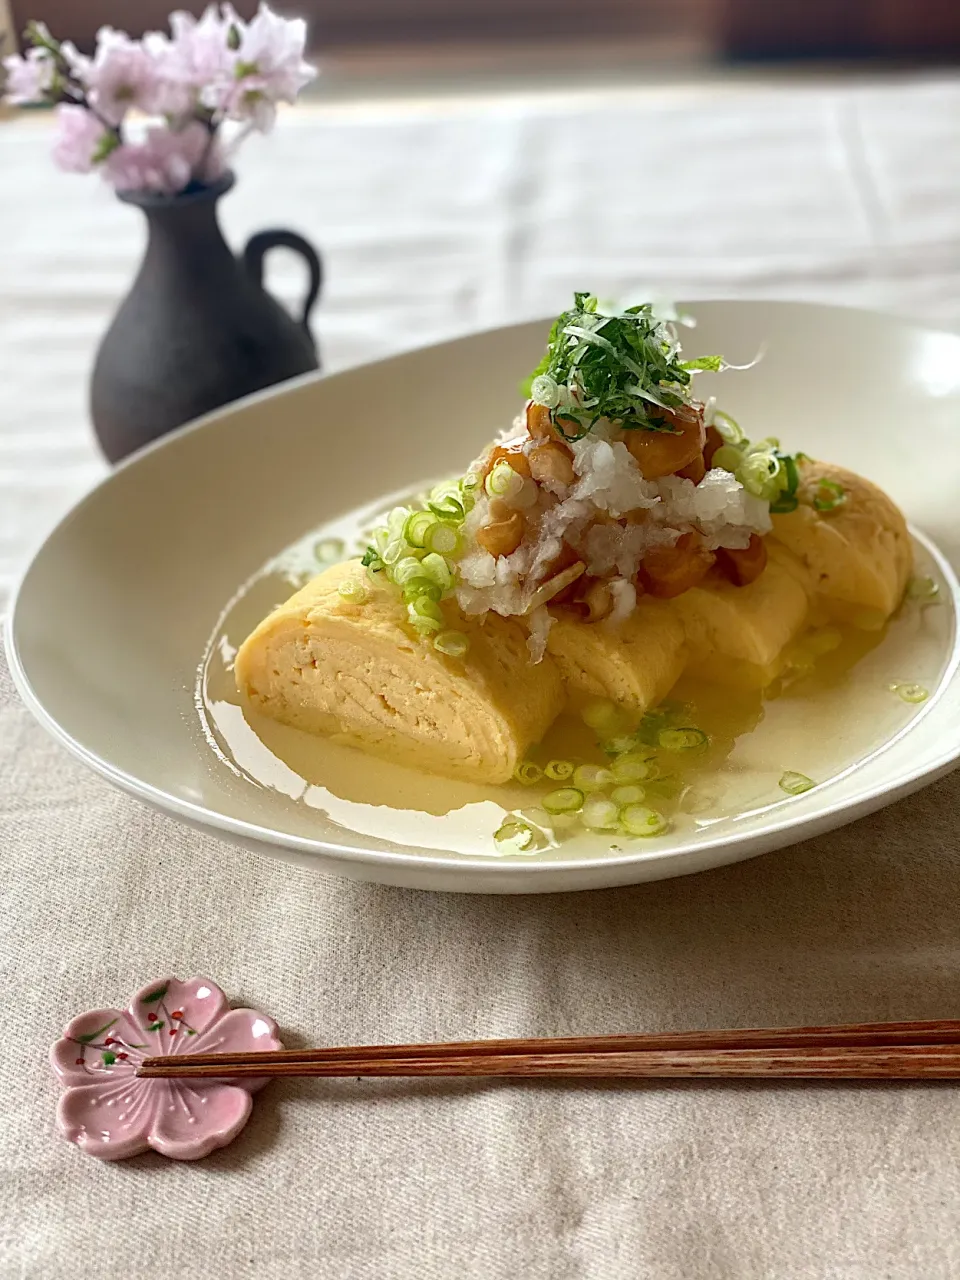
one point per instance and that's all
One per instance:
(927, 1050)
(920, 1062)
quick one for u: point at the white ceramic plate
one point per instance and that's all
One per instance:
(114, 613)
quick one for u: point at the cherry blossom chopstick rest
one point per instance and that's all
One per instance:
(107, 1112)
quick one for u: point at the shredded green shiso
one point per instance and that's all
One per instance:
(625, 367)
(620, 365)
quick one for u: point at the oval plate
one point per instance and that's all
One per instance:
(112, 615)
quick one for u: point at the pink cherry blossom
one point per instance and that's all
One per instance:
(123, 74)
(199, 56)
(110, 1113)
(165, 161)
(80, 139)
(269, 68)
(77, 62)
(29, 77)
(208, 70)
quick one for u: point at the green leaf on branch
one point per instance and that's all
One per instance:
(107, 144)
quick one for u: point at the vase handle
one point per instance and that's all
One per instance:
(260, 244)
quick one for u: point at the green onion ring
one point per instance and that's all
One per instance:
(685, 739)
(794, 784)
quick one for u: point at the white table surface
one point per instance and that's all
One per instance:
(437, 217)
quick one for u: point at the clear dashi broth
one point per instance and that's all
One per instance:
(828, 713)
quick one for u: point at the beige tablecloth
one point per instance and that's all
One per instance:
(435, 218)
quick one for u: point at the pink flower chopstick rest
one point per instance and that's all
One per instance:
(110, 1113)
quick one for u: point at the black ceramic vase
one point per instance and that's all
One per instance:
(197, 329)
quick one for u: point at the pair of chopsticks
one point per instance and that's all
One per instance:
(860, 1051)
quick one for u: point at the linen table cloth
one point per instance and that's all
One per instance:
(437, 217)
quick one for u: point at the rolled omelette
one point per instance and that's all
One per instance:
(749, 624)
(734, 635)
(355, 673)
(857, 557)
(636, 663)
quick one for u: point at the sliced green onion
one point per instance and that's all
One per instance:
(788, 479)
(442, 538)
(527, 772)
(394, 551)
(592, 777)
(686, 739)
(728, 428)
(829, 495)
(417, 587)
(353, 590)
(544, 391)
(514, 836)
(600, 814)
(418, 526)
(728, 458)
(425, 614)
(794, 784)
(410, 548)
(453, 643)
(503, 481)
(396, 522)
(424, 607)
(446, 496)
(632, 767)
(620, 745)
(824, 641)
(923, 589)
(769, 444)
(638, 820)
(563, 800)
(628, 795)
(650, 725)
(559, 770)
(759, 473)
(791, 476)
(406, 570)
(435, 567)
(910, 692)
(330, 550)
(601, 714)
(423, 626)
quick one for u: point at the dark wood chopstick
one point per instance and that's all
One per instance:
(790, 1051)
(920, 1062)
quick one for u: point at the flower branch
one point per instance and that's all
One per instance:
(148, 114)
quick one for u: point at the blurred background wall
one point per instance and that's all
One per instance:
(718, 30)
